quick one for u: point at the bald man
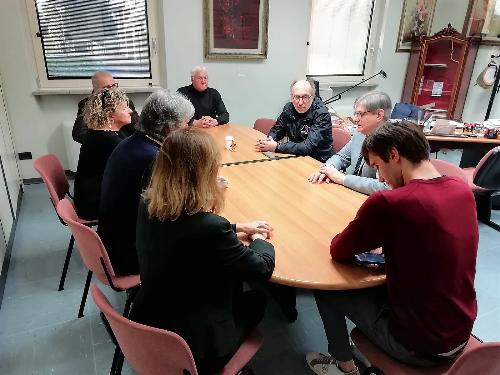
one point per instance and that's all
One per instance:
(304, 127)
(100, 80)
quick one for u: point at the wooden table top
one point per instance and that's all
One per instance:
(478, 139)
(245, 139)
(305, 218)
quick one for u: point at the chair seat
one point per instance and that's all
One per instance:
(121, 282)
(391, 366)
(469, 172)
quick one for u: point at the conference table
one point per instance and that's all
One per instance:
(305, 217)
(244, 138)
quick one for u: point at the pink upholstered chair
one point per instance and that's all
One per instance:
(448, 169)
(50, 169)
(95, 256)
(264, 125)
(476, 358)
(154, 351)
(484, 180)
(340, 137)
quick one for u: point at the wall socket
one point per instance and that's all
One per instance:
(25, 156)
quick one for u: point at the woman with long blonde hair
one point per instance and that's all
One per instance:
(191, 262)
(106, 112)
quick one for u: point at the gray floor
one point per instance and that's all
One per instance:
(40, 334)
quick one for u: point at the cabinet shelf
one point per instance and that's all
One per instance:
(429, 65)
(441, 63)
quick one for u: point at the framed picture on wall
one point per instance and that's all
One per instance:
(416, 21)
(236, 29)
(483, 20)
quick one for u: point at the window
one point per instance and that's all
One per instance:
(75, 38)
(344, 39)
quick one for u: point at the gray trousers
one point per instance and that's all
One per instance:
(368, 310)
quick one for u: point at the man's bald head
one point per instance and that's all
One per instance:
(102, 79)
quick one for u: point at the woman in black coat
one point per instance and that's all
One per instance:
(106, 112)
(191, 261)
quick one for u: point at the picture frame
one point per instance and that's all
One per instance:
(236, 29)
(482, 22)
(416, 21)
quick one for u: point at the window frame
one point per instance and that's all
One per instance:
(372, 57)
(82, 85)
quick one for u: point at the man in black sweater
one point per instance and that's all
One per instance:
(101, 80)
(208, 105)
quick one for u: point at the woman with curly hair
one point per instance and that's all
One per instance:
(106, 112)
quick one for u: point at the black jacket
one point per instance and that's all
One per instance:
(80, 129)
(189, 268)
(206, 103)
(308, 133)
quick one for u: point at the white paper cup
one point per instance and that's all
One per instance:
(228, 141)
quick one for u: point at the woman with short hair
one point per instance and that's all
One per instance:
(191, 262)
(106, 113)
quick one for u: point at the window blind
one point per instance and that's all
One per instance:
(338, 36)
(80, 37)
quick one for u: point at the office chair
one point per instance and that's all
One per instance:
(340, 137)
(484, 180)
(448, 169)
(264, 125)
(476, 358)
(50, 169)
(155, 351)
(95, 257)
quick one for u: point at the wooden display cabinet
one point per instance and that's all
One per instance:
(439, 71)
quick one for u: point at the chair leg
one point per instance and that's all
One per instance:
(84, 296)
(117, 365)
(66, 262)
(130, 299)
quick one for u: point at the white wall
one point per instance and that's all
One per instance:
(250, 89)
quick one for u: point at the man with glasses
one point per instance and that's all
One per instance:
(208, 105)
(370, 111)
(101, 80)
(304, 127)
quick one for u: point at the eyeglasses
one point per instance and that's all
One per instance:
(359, 114)
(109, 87)
(298, 98)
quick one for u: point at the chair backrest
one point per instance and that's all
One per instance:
(487, 172)
(264, 125)
(50, 169)
(88, 242)
(340, 137)
(483, 359)
(449, 169)
(150, 351)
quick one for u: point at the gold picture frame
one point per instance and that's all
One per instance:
(481, 22)
(236, 29)
(416, 21)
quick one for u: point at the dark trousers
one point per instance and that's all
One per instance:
(368, 310)
(248, 309)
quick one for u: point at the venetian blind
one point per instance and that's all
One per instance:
(80, 37)
(338, 36)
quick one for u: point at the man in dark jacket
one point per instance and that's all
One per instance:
(304, 127)
(209, 109)
(101, 80)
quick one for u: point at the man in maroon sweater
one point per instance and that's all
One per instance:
(428, 231)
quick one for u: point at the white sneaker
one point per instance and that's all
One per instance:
(325, 365)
